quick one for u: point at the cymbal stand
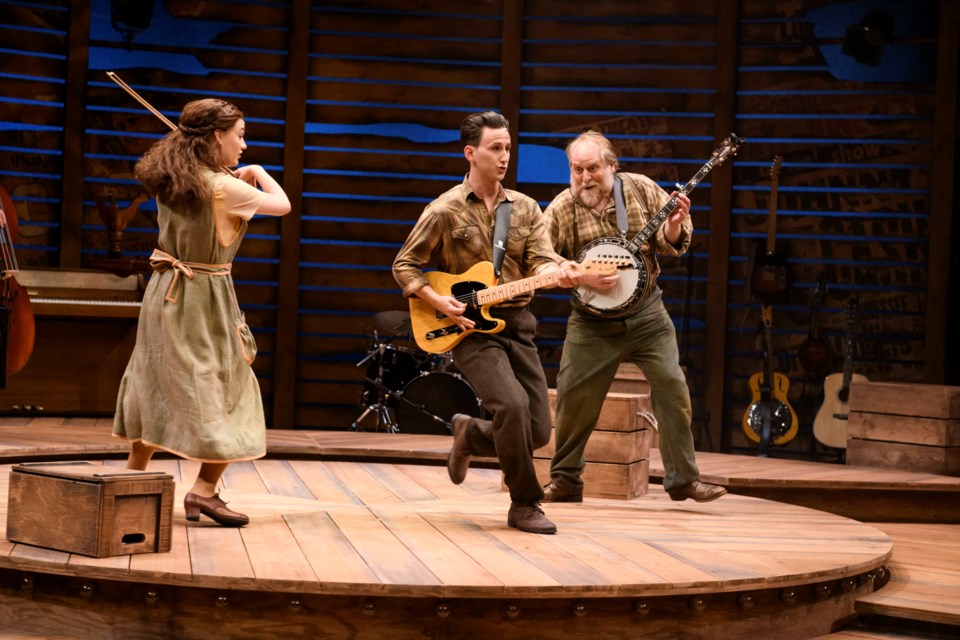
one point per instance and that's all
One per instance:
(379, 408)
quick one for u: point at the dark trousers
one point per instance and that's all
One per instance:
(505, 370)
(592, 351)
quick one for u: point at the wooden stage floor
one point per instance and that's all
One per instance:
(366, 529)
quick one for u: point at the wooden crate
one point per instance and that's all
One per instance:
(630, 379)
(904, 426)
(618, 452)
(90, 509)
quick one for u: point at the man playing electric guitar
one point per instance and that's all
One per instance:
(595, 345)
(458, 230)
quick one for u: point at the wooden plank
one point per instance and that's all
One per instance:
(218, 556)
(393, 563)
(943, 196)
(945, 460)
(75, 95)
(903, 399)
(275, 554)
(335, 561)
(607, 480)
(620, 447)
(620, 411)
(284, 371)
(924, 583)
(455, 568)
(912, 430)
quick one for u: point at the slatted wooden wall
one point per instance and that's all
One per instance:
(371, 135)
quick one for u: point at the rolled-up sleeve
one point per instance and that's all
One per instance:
(417, 251)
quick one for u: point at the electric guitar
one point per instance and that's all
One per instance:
(769, 418)
(635, 283)
(830, 425)
(769, 274)
(476, 287)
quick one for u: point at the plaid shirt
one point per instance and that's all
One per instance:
(456, 231)
(643, 198)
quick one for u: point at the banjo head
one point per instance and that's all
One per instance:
(628, 291)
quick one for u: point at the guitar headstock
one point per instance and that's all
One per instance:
(775, 167)
(728, 148)
(820, 293)
(850, 313)
(608, 265)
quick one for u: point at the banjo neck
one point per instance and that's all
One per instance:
(654, 223)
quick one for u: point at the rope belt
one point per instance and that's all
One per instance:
(161, 261)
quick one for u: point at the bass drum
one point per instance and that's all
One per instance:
(430, 400)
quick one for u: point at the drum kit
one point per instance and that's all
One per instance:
(407, 390)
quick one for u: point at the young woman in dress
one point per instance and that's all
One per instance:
(189, 388)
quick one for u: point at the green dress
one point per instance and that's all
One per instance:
(189, 387)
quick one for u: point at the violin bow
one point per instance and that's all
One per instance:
(164, 119)
(136, 96)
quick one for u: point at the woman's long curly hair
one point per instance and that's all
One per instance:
(170, 169)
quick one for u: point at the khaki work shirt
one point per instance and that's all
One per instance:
(643, 199)
(455, 232)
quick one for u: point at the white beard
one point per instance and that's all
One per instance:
(592, 197)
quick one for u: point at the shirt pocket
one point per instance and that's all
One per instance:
(248, 344)
(468, 238)
(517, 240)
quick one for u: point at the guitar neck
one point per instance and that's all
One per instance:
(768, 348)
(847, 361)
(772, 219)
(772, 213)
(499, 293)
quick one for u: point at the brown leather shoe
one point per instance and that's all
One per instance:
(214, 508)
(529, 518)
(562, 491)
(699, 491)
(458, 460)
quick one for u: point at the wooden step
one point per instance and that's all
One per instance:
(924, 584)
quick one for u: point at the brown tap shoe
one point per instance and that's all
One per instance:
(214, 508)
(529, 518)
(562, 491)
(458, 460)
(698, 491)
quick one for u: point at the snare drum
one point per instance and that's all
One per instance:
(430, 400)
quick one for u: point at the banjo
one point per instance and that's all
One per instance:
(634, 283)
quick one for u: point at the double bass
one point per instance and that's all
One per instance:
(17, 328)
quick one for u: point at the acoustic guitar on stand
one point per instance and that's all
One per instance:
(830, 425)
(769, 418)
(476, 287)
(768, 277)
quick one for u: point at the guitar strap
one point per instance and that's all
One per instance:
(620, 205)
(501, 227)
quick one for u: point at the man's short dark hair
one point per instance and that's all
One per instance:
(471, 129)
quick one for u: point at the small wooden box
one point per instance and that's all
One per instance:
(618, 451)
(904, 426)
(89, 509)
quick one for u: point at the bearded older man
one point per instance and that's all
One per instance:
(595, 345)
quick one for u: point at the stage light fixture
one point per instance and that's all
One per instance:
(130, 17)
(864, 41)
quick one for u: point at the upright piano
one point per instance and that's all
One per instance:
(82, 293)
(86, 324)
